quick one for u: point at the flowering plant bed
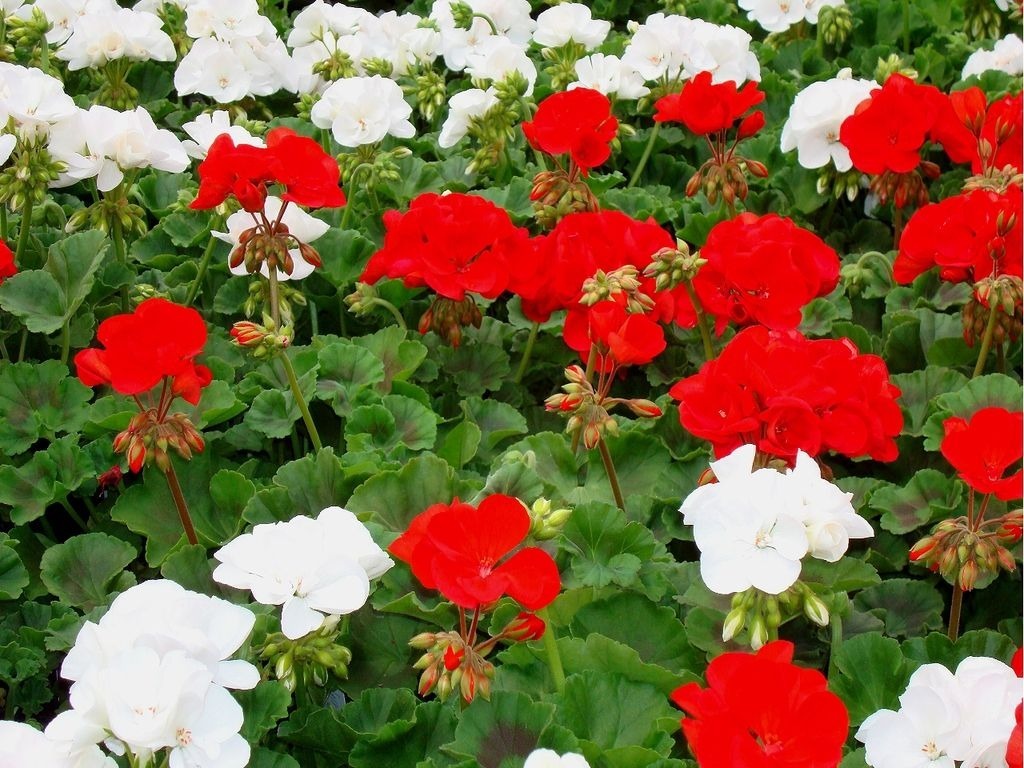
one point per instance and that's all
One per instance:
(501, 384)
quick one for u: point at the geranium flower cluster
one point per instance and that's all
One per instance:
(783, 393)
(1007, 55)
(759, 269)
(152, 675)
(110, 33)
(754, 525)
(778, 16)
(313, 567)
(965, 716)
(997, 129)
(763, 710)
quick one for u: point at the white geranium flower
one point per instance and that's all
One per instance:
(213, 68)
(511, 18)
(8, 141)
(305, 227)
(914, 737)
(23, 745)
(363, 110)
(462, 109)
(207, 126)
(570, 22)
(726, 51)
(496, 58)
(548, 758)
(825, 511)
(121, 33)
(746, 527)
(33, 99)
(814, 120)
(989, 692)
(101, 142)
(774, 15)
(609, 75)
(1006, 56)
(63, 15)
(314, 568)
(224, 19)
(164, 616)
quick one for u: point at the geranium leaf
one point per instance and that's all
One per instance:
(273, 413)
(497, 421)
(268, 758)
(13, 574)
(263, 706)
(82, 571)
(475, 368)
(47, 477)
(605, 547)
(872, 673)
(919, 388)
(399, 356)
(930, 495)
(907, 607)
(993, 390)
(460, 445)
(607, 655)
(303, 487)
(39, 400)
(344, 253)
(508, 726)
(433, 725)
(348, 376)
(937, 648)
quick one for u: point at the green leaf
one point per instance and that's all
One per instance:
(993, 390)
(605, 548)
(846, 575)
(273, 413)
(930, 495)
(13, 574)
(305, 486)
(82, 571)
(348, 376)
(551, 457)
(475, 368)
(230, 491)
(263, 706)
(371, 427)
(192, 569)
(607, 655)
(643, 466)
(49, 476)
(872, 674)
(44, 299)
(907, 607)
(395, 497)
(919, 388)
(508, 726)
(186, 230)
(400, 356)
(459, 446)
(498, 421)
(267, 758)
(610, 711)
(344, 253)
(404, 745)
(652, 630)
(38, 400)
(937, 648)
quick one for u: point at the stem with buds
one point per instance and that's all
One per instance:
(613, 478)
(986, 340)
(527, 352)
(300, 401)
(645, 156)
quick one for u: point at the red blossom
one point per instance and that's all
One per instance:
(784, 392)
(704, 107)
(968, 237)
(139, 349)
(455, 244)
(889, 128)
(7, 266)
(998, 124)
(760, 269)
(243, 171)
(621, 338)
(983, 448)
(311, 177)
(463, 552)
(762, 711)
(1015, 745)
(578, 123)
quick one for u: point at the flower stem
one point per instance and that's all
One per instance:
(551, 649)
(300, 401)
(702, 321)
(954, 612)
(527, 352)
(74, 515)
(385, 304)
(645, 156)
(906, 26)
(24, 228)
(275, 303)
(204, 264)
(65, 341)
(117, 234)
(179, 502)
(986, 340)
(613, 478)
(836, 625)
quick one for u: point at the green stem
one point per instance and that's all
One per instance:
(3, 223)
(204, 264)
(180, 503)
(24, 229)
(275, 304)
(65, 341)
(836, 624)
(613, 478)
(122, 258)
(490, 22)
(986, 340)
(9, 707)
(954, 612)
(906, 26)
(551, 648)
(702, 321)
(527, 352)
(385, 304)
(300, 401)
(645, 156)
(22, 344)
(74, 515)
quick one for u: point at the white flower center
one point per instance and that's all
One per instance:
(184, 736)
(763, 539)
(931, 751)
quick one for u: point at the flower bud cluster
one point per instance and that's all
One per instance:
(835, 22)
(450, 665)
(1005, 294)
(762, 613)
(258, 299)
(672, 267)
(429, 89)
(546, 522)
(624, 280)
(962, 555)
(724, 179)
(257, 247)
(108, 214)
(149, 438)
(447, 317)
(839, 183)
(260, 340)
(28, 175)
(317, 656)
(555, 195)
(982, 20)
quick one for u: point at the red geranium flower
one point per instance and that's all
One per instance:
(578, 122)
(705, 108)
(760, 269)
(455, 244)
(983, 448)
(762, 711)
(1015, 746)
(310, 176)
(158, 339)
(998, 124)
(621, 337)
(243, 171)
(969, 237)
(888, 129)
(7, 266)
(462, 551)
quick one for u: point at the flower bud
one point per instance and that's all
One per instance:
(735, 620)
(815, 609)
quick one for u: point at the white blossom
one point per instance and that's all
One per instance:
(64, 14)
(496, 58)
(313, 567)
(34, 100)
(570, 22)
(463, 108)
(305, 227)
(814, 120)
(224, 19)
(774, 15)
(23, 745)
(1006, 56)
(814, 8)
(207, 126)
(609, 75)
(363, 110)
(548, 758)
(119, 33)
